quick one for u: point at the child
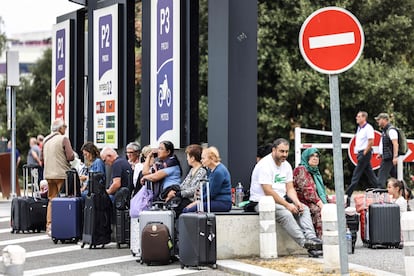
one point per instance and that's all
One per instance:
(396, 191)
(43, 188)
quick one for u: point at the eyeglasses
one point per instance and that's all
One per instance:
(129, 152)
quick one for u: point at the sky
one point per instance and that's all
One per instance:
(21, 16)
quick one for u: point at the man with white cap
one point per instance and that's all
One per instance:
(388, 149)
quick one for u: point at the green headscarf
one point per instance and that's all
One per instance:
(317, 177)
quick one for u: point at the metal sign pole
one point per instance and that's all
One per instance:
(13, 146)
(338, 170)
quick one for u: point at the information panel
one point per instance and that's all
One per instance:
(105, 76)
(165, 72)
(60, 72)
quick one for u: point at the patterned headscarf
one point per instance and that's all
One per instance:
(317, 177)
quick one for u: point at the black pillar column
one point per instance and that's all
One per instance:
(232, 84)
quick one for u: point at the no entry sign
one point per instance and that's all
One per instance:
(331, 40)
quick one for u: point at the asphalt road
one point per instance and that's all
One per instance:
(43, 257)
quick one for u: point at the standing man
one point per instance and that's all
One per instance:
(364, 139)
(273, 176)
(57, 152)
(388, 149)
(121, 170)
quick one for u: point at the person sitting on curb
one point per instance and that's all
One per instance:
(273, 176)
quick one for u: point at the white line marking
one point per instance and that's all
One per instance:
(82, 265)
(4, 219)
(171, 272)
(50, 251)
(27, 239)
(5, 230)
(331, 40)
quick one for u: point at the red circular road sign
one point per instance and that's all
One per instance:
(375, 163)
(331, 40)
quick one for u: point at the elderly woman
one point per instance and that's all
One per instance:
(219, 183)
(167, 171)
(132, 152)
(188, 187)
(309, 186)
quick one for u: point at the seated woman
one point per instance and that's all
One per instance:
(188, 187)
(309, 186)
(219, 184)
(93, 162)
(167, 171)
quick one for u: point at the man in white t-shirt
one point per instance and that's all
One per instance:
(272, 176)
(364, 139)
(388, 149)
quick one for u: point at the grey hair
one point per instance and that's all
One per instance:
(135, 146)
(58, 123)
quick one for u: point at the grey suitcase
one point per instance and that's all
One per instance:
(166, 217)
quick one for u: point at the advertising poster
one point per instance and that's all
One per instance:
(60, 72)
(105, 76)
(165, 72)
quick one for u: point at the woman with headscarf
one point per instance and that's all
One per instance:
(309, 186)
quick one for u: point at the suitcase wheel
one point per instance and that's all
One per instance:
(55, 241)
(83, 245)
(118, 245)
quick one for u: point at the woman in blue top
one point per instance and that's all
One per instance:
(219, 183)
(93, 162)
(167, 170)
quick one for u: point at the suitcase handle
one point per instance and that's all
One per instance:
(201, 205)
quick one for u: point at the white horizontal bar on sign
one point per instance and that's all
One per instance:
(321, 146)
(331, 40)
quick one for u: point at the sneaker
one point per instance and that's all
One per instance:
(313, 244)
(315, 253)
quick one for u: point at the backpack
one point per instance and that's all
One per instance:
(402, 140)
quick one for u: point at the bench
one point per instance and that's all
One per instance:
(238, 235)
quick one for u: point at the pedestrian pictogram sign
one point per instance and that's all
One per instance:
(331, 40)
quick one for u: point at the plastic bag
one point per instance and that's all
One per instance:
(140, 202)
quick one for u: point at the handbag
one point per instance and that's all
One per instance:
(140, 202)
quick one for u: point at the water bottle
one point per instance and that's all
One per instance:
(239, 194)
(349, 240)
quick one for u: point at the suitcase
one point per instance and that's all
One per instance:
(67, 219)
(72, 184)
(135, 238)
(156, 243)
(384, 227)
(352, 222)
(28, 213)
(122, 227)
(164, 217)
(197, 242)
(97, 220)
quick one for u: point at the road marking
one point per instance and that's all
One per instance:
(331, 40)
(27, 239)
(4, 219)
(5, 230)
(81, 265)
(172, 272)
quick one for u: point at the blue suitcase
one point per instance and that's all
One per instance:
(67, 219)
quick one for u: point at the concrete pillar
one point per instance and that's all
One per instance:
(14, 257)
(267, 220)
(330, 238)
(407, 228)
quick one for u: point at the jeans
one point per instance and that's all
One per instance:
(387, 169)
(299, 227)
(363, 166)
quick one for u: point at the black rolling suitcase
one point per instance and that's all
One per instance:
(384, 225)
(197, 236)
(28, 213)
(97, 214)
(382, 221)
(73, 188)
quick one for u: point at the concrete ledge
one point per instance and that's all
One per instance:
(238, 237)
